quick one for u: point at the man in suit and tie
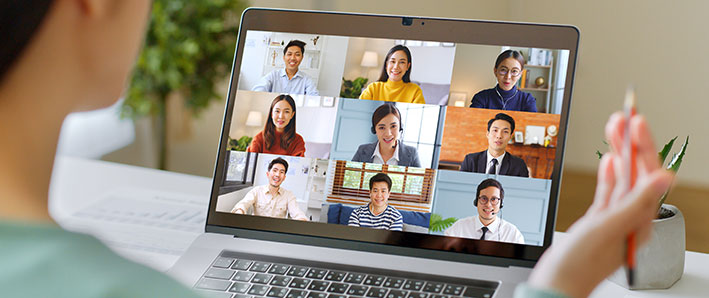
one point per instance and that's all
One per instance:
(495, 160)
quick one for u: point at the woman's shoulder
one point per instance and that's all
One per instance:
(485, 92)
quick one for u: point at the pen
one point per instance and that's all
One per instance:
(629, 154)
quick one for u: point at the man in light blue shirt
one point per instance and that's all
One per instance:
(289, 79)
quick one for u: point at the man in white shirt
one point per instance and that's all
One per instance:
(271, 200)
(486, 225)
(496, 160)
(290, 79)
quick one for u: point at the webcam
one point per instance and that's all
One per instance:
(407, 21)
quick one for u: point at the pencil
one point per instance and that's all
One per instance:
(629, 156)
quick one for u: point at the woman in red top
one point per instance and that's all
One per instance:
(279, 136)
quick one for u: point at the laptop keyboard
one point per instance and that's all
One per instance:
(236, 275)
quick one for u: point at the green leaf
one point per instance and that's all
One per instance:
(600, 155)
(438, 224)
(676, 161)
(666, 150)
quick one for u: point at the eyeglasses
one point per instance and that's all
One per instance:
(484, 200)
(514, 72)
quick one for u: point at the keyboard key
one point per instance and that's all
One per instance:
(356, 290)
(212, 294)
(261, 278)
(394, 282)
(354, 278)
(239, 287)
(242, 265)
(396, 294)
(221, 262)
(377, 292)
(413, 285)
(296, 294)
(338, 288)
(417, 295)
(260, 266)
(316, 273)
(336, 296)
(317, 295)
(453, 290)
(219, 273)
(277, 292)
(297, 271)
(213, 284)
(433, 287)
(335, 276)
(281, 281)
(299, 283)
(437, 296)
(278, 269)
(244, 276)
(242, 296)
(473, 292)
(258, 290)
(318, 285)
(374, 280)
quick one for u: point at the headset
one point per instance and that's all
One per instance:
(401, 126)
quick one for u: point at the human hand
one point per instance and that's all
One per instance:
(595, 244)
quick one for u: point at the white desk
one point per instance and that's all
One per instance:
(77, 183)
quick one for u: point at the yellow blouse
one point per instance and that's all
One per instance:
(393, 91)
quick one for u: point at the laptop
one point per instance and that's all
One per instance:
(310, 200)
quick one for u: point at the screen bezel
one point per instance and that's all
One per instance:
(563, 37)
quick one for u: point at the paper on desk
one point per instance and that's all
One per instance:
(147, 226)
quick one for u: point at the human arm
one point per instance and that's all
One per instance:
(256, 143)
(398, 223)
(477, 102)
(298, 147)
(367, 92)
(530, 104)
(294, 211)
(418, 95)
(265, 84)
(310, 88)
(354, 218)
(247, 202)
(595, 244)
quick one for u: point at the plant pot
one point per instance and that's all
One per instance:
(660, 263)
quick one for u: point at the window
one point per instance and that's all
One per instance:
(420, 123)
(408, 183)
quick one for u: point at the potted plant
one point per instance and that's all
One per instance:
(189, 47)
(439, 224)
(660, 263)
(353, 88)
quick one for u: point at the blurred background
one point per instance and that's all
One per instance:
(171, 117)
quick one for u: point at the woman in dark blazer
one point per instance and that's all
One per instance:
(388, 149)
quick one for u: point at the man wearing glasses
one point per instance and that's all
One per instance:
(486, 225)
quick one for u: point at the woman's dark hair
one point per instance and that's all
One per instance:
(278, 160)
(503, 117)
(295, 43)
(510, 54)
(384, 76)
(381, 112)
(18, 22)
(269, 131)
(380, 177)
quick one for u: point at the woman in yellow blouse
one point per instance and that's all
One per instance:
(394, 83)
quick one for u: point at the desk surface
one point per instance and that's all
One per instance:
(77, 183)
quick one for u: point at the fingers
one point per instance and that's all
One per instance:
(646, 155)
(605, 184)
(615, 130)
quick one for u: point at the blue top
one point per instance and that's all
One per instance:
(277, 81)
(514, 100)
(390, 219)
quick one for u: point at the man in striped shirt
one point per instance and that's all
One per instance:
(377, 214)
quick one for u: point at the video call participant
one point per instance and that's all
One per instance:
(486, 225)
(289, 79)
(271, 200)
(279, 136)
(505, 95)
(378, 214)
(388, 149)
(394, 83)
(495, 160)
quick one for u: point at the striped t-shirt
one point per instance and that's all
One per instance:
(390, 219)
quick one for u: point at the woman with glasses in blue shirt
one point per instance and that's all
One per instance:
(505, 95)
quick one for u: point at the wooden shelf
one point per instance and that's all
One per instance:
(535, 89)
(537, 66)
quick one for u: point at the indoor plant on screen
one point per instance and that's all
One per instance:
(660, 263)
(189, 47)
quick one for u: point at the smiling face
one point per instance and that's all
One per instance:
(388, 130)
(379, 195)
(276, 175)
(498, 136)
(508, 73)
(282, 114)
(292, 58)
(397, 65)
(488, 211)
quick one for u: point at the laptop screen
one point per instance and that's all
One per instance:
(435, 143)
